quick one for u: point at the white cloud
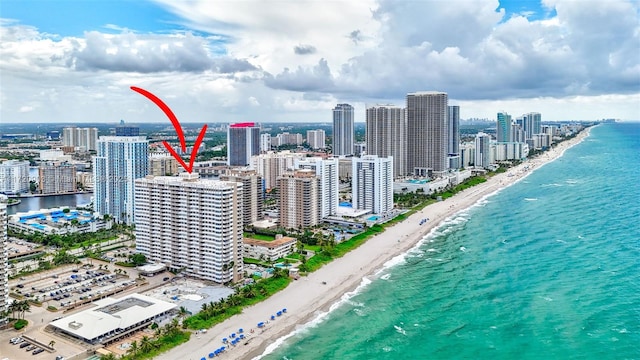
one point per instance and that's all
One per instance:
(294, 61)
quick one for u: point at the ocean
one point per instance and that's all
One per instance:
(548, 268)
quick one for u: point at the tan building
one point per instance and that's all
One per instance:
(190, 224)
(269, 250)
(163, 166)
(273, 164)
(57, 178)
(299, 199)
(252, 193)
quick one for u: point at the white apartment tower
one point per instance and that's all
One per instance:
(453, 139)
(532, 124)
(4, 264)
(299, 192)
(427, 132)
(327, 171)
(343, 132)
(14, 177)
(386, 135)
(191, 224)
(265, 142)
(119, 162)
(252, 193)
(316, 139)
(482, 157)
(83, 138)
(372, 184)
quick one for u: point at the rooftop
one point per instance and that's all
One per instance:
(112, 315)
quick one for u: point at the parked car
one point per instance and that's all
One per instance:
(37, 351)
(31, 347)
(24, 345)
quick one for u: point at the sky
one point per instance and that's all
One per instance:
(294, 60)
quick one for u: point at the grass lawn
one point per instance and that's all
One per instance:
(259, 237)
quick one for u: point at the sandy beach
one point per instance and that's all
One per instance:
(307, 298)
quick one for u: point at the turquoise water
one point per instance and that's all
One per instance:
(548, 268)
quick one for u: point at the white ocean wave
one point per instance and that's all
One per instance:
(317, 320)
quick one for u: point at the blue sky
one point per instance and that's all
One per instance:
(293, 60)
(74, 17)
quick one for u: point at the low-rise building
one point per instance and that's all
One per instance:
(113, 318)
(269, 250)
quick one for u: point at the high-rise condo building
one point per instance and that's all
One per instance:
(191, 224)
(252, 193)
(84, 139)
(453, 146)
(372, 184)
(273, 164)
(327, 171)
(265, 142)
(503, 127)
(427, 132)
(316, 139)
(14, 177)
(483, 151)
(532, 124)
(162, 165)
(119, 162)
(57, 178)
(386, 135)
(4, 264)
(343, 131)
(243, 141)
(299, 192)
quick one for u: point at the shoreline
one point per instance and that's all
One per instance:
(309, 298)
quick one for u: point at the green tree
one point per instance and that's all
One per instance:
(137, 259)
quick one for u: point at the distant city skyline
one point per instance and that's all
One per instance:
(251, 61)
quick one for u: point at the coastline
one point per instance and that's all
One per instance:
(309, 298)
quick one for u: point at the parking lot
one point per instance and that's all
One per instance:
(71, 287)
(29, 346)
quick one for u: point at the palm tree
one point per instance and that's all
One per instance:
(146, 345)
(133, 349)
(109, 356)
(51, 343)
(183, 312)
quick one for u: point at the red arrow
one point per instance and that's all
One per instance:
(176, 125)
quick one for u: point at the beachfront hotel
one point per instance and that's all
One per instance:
(343, 131)
(372, 184)
(427, 132)
(192, 225)
(327, 171)
(243, 141)
(120, 161)
(252, 193)
(386, 135)
(299, 192)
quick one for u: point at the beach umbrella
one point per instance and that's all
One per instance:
(222, 348)
(233, 335)
(203, 358)
(241, 336)
(211, 355)
(284, 310)
(224, 340)
(279, 313)
(240, 330)
(273, 317)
